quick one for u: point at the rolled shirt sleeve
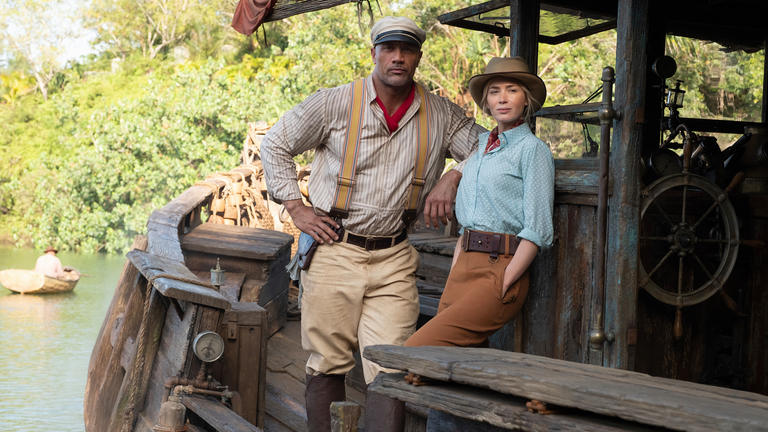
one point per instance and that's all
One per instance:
(538, 169)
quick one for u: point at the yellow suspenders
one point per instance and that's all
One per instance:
(346, 177)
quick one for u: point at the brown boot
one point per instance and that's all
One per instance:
(383, 414)
(321, 391)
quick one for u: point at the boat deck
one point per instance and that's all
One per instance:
(286, 362)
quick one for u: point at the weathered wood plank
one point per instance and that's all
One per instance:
(274, 425)
(575, 251)
(104, 370)
(434, 268)
(289, 411)
(433, 242)
(244, 330)
(130, 400)
(576, 182)
(497, 411)
(577, 199)
(415, 418)
(524, 31)
(471, 11)
(262, 292)
(216, 416)
(153, 266)
(287, 8)
(625, 394)
(277, 312)
(233, 283)
(344, 416)
(171, 356)
(443, 422)
(229, 240)
(624, 202)
(253, 269)
(428, 305)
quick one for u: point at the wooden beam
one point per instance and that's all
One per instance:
(487, 28)
(476, 410)
(287, 8)
(578, 34)
(170, 280)
(632, 396)
(216, 416)
(624, 204)
(471, 11)
(524, 31)
(718, 126)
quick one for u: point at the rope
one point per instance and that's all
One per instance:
(214, 187)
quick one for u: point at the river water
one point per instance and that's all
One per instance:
(46, 343)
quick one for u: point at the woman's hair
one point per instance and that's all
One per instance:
(532, 104)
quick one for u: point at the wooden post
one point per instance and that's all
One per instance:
(344, 416)
(624, 213)
(654, 108)
(765, 81)
(524, 31)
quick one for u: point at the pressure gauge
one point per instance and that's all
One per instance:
(664, 162)
(208, 346)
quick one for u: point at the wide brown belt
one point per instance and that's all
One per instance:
(376, 243)
(492, 243)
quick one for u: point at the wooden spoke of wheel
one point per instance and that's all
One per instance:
(660, 263)
(649, 238)
(728, 245)
(669, 221)
(701, 219)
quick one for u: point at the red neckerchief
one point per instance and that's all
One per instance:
(493, 138)
(393, 122)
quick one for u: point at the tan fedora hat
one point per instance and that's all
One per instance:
(51, 249)
(510, 67)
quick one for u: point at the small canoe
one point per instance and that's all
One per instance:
(30, 282)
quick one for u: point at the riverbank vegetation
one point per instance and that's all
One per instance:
(89, 152)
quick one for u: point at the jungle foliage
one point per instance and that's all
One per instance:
(124, 131)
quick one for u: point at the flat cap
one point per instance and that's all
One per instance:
(397, 29)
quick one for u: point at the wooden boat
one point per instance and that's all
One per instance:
(588, 340)
(31, 282)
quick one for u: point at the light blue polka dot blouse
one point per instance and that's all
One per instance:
(510, 189)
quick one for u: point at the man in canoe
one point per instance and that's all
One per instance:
(381, 144)
(49, 264)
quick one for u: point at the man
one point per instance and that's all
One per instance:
(360, 288)
(49, 265)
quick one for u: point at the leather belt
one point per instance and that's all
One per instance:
(376, 243)
(492, 243)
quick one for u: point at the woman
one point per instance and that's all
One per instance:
(504, 204)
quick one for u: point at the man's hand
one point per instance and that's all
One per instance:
(307, 221)
(439, 201)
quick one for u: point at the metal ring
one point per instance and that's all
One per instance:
(493, 262)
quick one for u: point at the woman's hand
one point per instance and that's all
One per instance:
(524, 255)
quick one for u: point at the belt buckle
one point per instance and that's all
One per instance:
(372, 243)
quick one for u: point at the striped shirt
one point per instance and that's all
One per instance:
(385, 162)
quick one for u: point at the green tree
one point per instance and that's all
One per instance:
(38, 32)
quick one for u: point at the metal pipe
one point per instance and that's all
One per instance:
(172, 382)
(606, 113)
